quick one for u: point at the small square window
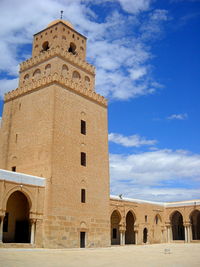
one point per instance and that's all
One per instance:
(83, 158)
(83, 127)
(14, 169)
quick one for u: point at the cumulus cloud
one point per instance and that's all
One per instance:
(118, 45)
(181, 116)
(130, 141)
(157, 175)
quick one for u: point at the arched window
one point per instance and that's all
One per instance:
(76, 75)
(37, 73)
(72, 48)
(65, 70)
(87, 81)
(45, 46)
(48, 69)
(26, 77)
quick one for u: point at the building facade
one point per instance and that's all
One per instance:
(54, 177)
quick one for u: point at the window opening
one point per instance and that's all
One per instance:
(45, 46)
(83, 158)
(145, 218)
(83, 196)
(72, 48)
(83, 127)
(14, 169)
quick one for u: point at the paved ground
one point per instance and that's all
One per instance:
(181, 255)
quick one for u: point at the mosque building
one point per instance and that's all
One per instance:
(54, 165)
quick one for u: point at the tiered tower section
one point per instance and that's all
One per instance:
(55, 126)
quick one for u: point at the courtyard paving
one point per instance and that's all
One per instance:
(160, 255)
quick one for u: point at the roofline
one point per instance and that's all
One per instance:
(65, 26)
(163, 204)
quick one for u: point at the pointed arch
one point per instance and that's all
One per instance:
(115, 220)
(16, 225)
(195, 223)
(130, 222)
(176, 219)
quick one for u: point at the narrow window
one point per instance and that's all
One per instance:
(83, 196)
(83, 158)
(83, 127)
(5, 223)
(16, 138)
(14, 169)
(145, 218)
(114, 235)
(156, 219)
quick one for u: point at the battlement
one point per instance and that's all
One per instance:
(58, 51)
(59, 79)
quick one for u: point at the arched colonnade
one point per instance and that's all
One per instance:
(179, 229)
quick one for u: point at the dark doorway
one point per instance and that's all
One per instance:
(129, 234)
(195, 222)
(16, 228)
(115, 220)
(145, 235)
(177, 226)
(82, 239)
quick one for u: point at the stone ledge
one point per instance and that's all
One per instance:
(58, 51)
(21, 178)
(59, 79)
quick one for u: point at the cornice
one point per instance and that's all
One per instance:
(58, 79)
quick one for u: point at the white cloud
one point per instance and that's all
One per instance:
(181, 116)
(134, 6)
(162, 175)
(129, 141)
(7, 85)
(115, 46)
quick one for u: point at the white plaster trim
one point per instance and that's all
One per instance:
(21, 178)
(164, 204)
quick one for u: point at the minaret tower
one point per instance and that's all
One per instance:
(55, 126)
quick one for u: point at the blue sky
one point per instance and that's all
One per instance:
(147, 61)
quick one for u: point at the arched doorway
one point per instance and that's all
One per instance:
(115, 235)
(129, 234)
(177, 226)
(145, 235)
(16, 227)
(195, 221)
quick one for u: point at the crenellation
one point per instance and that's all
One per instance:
(55, 77)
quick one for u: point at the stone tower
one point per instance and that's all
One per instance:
(55, 126)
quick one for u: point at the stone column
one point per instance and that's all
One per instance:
(121, 238)
(1, 229)
(186, 233)
(169, 233)
(136, 237)
(33, 228)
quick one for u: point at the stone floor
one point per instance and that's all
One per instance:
(161, 255)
